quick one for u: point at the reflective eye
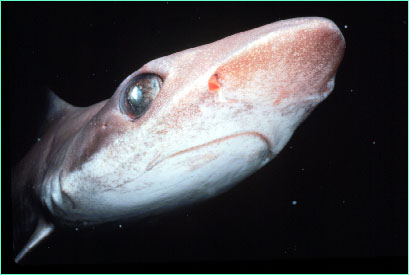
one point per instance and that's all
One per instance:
(139, 94)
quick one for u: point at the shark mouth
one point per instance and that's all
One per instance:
(256, 134)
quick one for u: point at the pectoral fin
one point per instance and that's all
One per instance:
(42, 230)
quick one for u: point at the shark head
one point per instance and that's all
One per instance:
(188, 126)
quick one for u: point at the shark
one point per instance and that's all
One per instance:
(181, 129)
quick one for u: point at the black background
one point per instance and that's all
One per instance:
(345, 165)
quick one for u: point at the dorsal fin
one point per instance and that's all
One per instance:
(56, 105)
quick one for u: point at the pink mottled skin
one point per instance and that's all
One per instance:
(223, 111)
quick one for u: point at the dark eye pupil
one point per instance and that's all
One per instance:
(139, 94)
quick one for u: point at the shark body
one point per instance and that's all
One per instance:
(181, 129)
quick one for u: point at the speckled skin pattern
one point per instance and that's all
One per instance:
(224, 110)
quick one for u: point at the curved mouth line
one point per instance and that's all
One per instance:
(158, 160)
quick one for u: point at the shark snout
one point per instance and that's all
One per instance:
(289, 59)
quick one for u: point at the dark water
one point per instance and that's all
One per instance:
(335, 198)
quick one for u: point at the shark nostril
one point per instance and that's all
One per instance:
(214, 84)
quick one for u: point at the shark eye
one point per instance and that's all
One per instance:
(138, 95)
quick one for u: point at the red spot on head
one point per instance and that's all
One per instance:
(214, 84)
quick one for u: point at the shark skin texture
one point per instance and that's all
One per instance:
(181, 129)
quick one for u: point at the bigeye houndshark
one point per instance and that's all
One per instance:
(182, 128)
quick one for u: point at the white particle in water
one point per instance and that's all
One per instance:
(120, 226)
(346, 26)
(38, 139)
(76, 229)
(294, 202)
(373, 142)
